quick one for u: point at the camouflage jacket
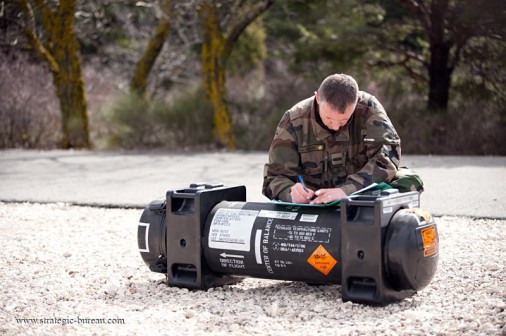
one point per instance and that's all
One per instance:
(365, 150)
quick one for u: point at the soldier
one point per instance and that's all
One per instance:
(338, 141)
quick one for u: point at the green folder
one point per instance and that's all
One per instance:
(374, 186)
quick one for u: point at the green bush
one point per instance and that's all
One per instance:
(469, 127)
(189, 120)
(184, 123)
(130, 124)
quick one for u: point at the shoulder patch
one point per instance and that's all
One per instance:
(364, 101)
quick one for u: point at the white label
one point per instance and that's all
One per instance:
(258, 256)
(388, 210)
(278, 214)
(308, 218)
(400, 200)
(231, 229)
(146, 243)
(413, 204)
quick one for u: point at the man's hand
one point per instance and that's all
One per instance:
(300, 195)
(328, 195)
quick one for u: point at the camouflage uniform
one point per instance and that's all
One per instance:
(366, 150)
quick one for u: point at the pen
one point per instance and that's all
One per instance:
(301, 180)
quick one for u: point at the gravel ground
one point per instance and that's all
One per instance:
(61, 262)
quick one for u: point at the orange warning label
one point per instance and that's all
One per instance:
(429, 239)
(322, 260)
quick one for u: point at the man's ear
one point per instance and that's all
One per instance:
(316, 97)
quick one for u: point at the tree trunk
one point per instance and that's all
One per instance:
(70, 91)
(439, 78)
(439, 66)
(216, 48)
(213, 71)
(61, 52)
(69, 80)
(139, 82)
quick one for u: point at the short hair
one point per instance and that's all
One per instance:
(338, 90)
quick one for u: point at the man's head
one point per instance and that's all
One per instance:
(337, 98)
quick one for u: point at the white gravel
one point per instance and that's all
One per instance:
(61, 262)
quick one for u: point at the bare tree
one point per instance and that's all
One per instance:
(450, 26)
(219, 36)
(58, 47)
(138, 84)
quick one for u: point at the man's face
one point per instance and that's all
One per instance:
(333, 118)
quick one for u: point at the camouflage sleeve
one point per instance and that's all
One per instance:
(383, 151)
(281, 172)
